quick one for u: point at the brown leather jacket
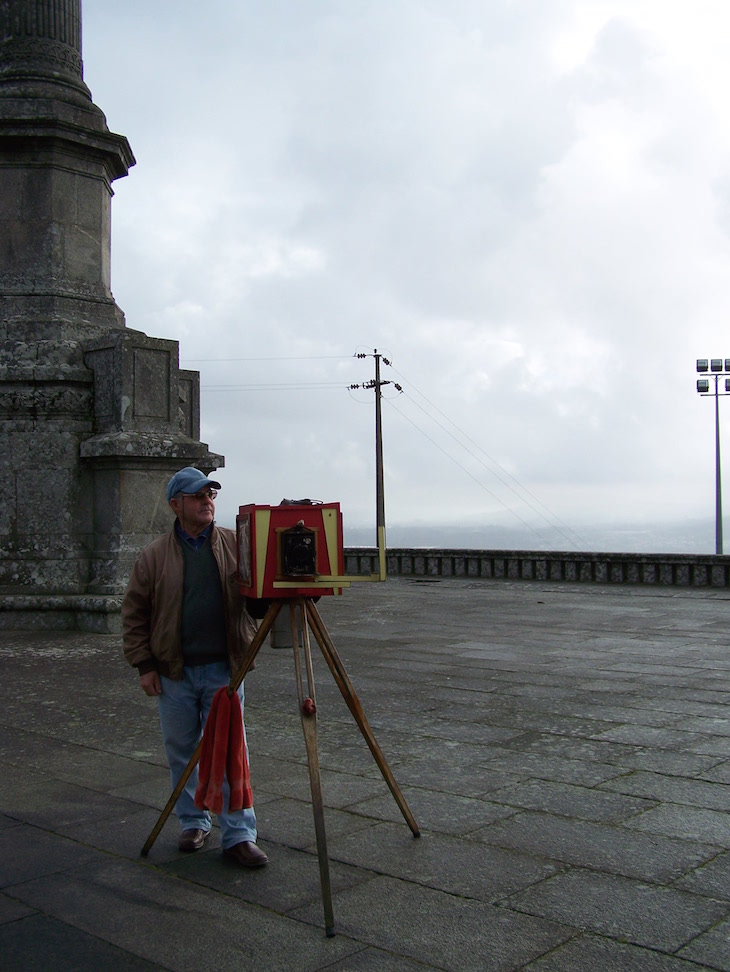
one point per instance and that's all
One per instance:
(152, 605)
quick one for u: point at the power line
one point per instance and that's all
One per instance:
(301, 357)
(521, 492)
(276, 386)
(468, 473)
(562, 528)
(504, 482)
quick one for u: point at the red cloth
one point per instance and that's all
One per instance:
(223, 755)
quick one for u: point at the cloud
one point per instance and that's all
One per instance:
(523, 206)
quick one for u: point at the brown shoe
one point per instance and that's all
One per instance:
(192, 840)
(247, 854)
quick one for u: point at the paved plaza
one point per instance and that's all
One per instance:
(565, 750)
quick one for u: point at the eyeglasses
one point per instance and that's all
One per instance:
(203, 494)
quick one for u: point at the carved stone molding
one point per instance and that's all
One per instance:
(44, 283)
(23, 55)
(42, 36)
(44, 401)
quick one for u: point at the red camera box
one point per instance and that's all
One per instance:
(291, 550)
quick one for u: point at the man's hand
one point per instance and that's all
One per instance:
(150, 683)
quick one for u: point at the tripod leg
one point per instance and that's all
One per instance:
(353, 703)
(253, 649)
(308, 714)
(248, 660)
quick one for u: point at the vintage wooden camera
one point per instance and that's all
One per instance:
(291, 550)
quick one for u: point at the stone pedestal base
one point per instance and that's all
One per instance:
(60, 612)
(90, 434)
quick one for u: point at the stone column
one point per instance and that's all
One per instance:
(91, 423)
(58, 160)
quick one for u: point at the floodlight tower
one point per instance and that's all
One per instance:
(718, 368)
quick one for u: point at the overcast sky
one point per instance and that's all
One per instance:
(523, 204)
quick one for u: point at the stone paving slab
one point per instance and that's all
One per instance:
(710, 949)
(564, 748)
(291, 881)
(672, 789)
(687, 823)
(58, 805)
(177, 924)
(376, 960)
(293, 822)
(27, 853)
(459, 867)
(445, 813)
(719, 773)
(466, 935)
(648, 857)
(12, 910)
(660, 918)
(712, 879)
(584, 803)
(559, 769)
(39, 943)
(588, 952)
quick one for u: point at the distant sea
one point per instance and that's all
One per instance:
(696, 537)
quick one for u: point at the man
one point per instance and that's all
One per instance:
(186, 627)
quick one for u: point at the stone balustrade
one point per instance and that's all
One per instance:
(679, 570)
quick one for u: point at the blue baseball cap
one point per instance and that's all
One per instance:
(189, 480)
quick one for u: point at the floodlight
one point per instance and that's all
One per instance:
(702, 364)
(703, 386)
(716, 364)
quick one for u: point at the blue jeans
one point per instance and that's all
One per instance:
(183, 708)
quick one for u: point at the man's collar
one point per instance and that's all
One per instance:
(196, 541)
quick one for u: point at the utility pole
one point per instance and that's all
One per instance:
(376, 384)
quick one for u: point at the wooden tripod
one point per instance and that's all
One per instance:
(304, 615)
